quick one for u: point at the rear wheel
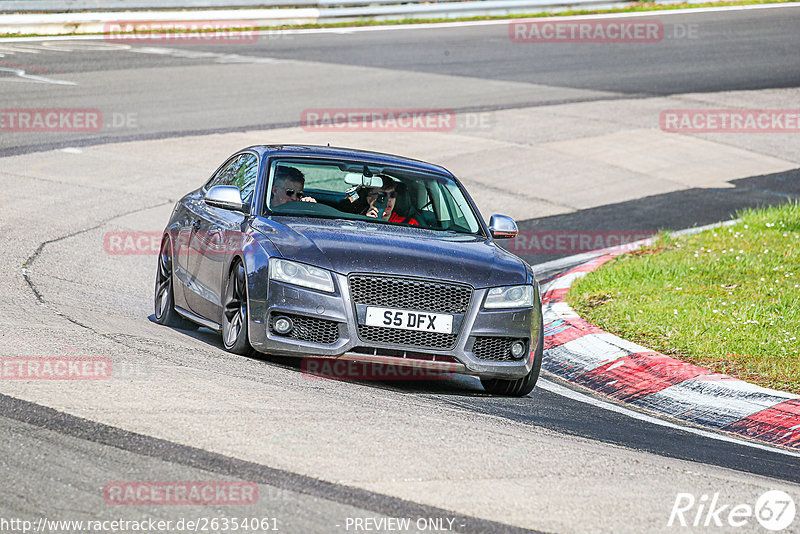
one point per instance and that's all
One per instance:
(234, 316)
(165, 293)
(520, 386)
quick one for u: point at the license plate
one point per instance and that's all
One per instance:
(410, 320)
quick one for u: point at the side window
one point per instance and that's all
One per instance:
(246, 175)
(241, 171)
(458, 206)
(225, 175)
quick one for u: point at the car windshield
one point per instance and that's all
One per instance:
(386, 195)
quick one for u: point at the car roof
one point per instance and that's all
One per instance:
(378, 158)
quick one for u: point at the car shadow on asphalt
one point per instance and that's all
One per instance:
(439, 384)
(375, 375)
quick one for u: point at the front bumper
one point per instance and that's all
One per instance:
(333, 318)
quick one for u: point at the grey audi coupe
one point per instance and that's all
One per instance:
(332, 253)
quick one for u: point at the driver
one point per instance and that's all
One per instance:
(390, 190)
(288, 186)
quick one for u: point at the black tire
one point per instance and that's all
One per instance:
(234, 312)
(164, 298)
(520, 386)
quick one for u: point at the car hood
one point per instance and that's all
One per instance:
(354, 246)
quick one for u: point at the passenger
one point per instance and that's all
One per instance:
(287, 186)
(390, 189)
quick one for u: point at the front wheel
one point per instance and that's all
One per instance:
(165, 292)
(234, 316)
(520, 386)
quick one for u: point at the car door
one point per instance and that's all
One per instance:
(216, 235)
(184, 217)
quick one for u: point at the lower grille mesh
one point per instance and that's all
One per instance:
(393, 336)
(308, 328)
(497, 349)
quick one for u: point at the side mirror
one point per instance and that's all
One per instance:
(226, 197)
(502, 227)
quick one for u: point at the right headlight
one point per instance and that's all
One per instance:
(300, 274)
(509, 297)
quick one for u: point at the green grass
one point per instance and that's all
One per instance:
(726, 299)
(634, 7)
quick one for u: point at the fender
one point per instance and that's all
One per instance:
(257, 249)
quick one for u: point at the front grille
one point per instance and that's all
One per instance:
(497, 349)
(308, 328)
(394, 336)
(409, 293)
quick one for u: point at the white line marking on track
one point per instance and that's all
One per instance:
(197, 54)
(25, 77)
(60, 46)
(552, 387)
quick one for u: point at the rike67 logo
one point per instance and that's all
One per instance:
(774, 510)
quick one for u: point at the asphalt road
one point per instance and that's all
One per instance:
(193, 412)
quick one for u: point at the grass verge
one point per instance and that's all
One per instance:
(726, 299)
(634, 7)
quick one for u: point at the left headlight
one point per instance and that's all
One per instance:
(509, 297)
(300, 274)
